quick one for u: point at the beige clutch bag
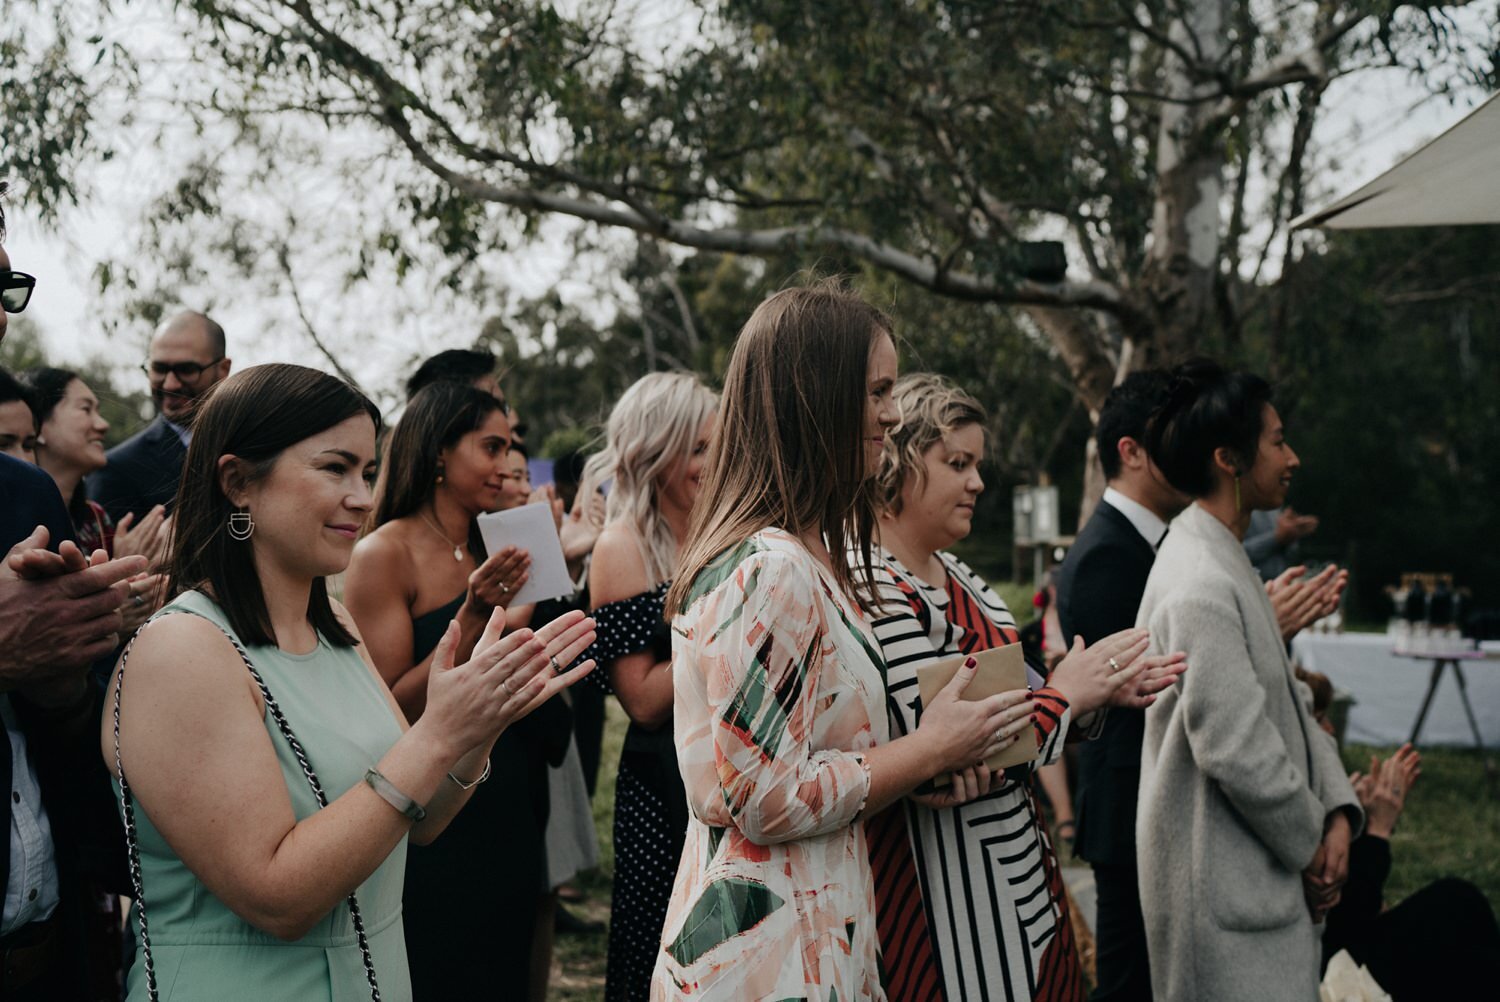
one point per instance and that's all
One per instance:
(1001, 669)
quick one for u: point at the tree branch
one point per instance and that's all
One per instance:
(283, 258)
(771, 242)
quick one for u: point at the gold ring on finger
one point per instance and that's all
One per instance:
(504, 588)
(1114, 665)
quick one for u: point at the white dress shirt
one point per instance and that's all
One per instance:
(1146, 521)
(31, 891)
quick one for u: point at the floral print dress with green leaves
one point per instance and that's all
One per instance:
(779, 689)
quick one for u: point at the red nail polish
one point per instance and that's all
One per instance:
(970, 663)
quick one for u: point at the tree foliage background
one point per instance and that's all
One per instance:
(705, 152)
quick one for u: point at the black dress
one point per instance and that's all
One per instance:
(471, 896)
(650, 805)
(1443, 941)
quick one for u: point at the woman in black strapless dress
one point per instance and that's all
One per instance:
(471, 897)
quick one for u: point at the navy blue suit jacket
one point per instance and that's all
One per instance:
(86, 832)
(1099, 589)
(143, 471)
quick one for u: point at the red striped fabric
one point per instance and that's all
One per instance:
(907, 959)
(980, 632)
(1059, 975)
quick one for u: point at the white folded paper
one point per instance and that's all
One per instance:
(530, 528)
(1346, 981)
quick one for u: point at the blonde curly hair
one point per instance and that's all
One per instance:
(930, 407)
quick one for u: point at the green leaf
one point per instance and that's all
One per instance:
(725, 909)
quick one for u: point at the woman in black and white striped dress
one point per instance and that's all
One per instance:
(970, 895)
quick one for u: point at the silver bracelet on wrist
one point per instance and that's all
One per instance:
(469, 786)
(388, 792)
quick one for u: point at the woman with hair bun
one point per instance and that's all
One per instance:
(655, 441)
(1245, 812)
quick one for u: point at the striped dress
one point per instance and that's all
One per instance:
(970, 899)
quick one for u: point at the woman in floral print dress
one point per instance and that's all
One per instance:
(779, 705)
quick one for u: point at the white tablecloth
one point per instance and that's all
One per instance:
(1388, 690)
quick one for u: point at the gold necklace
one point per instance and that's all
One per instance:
(458, 552)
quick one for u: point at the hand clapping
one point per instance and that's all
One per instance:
(1382, 792)
(1299, 603)
(509, 676)
(1115, 671)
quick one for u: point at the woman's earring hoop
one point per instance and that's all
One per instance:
(241, 526)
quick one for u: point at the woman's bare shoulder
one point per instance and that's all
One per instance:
(184, 659)
(617, 570)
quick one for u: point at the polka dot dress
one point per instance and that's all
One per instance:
(650, 806)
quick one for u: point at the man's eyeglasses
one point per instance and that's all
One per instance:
(187, 372)
(15, 290)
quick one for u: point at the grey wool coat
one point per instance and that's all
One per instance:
(1236, 783)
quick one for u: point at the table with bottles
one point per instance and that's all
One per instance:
(1457, 698)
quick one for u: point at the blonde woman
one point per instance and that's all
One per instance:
(780, 701)
(656, 439)
(957, 918)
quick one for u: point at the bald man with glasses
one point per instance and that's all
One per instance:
(187, 356)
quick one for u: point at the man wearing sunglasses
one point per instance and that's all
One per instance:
(59, 611)
(186, 358)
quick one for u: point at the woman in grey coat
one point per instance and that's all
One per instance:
(1245, 812)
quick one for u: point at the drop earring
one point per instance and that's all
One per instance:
(440, 475)
(241, 525)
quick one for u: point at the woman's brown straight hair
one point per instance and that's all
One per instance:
(255, 415)
(789, 449)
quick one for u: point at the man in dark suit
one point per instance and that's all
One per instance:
(1099, 589)
(186, 358)
(57, 615)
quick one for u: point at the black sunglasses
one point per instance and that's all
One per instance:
(15, 290)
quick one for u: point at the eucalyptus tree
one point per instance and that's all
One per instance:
(1165, 142)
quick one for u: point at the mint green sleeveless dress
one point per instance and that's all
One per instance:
(202, 949)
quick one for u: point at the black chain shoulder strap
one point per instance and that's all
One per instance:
(127, 811)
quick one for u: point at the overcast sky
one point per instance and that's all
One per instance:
(1363, 129)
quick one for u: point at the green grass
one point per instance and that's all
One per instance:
(1450, 827)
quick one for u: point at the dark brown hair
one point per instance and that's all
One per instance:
(437, 417)
(1204, 409)
(789, 449)
(254, 415)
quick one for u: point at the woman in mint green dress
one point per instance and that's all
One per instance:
(270, 782)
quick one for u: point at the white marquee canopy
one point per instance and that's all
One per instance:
(1452, 181)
